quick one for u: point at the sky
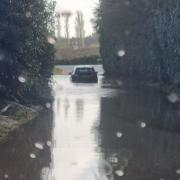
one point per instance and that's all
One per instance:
(86, 6)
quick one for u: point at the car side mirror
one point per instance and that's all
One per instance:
(70, 73)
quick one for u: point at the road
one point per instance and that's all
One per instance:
(104, 131)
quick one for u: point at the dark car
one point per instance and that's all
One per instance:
(84, 74)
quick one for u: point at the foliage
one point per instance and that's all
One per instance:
(67, 15)
(57, 70)
(80, 61)
(147, 31)
(27, 57)
(79, 29)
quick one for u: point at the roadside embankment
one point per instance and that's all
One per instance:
(13, 115)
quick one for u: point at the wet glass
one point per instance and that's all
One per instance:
(123, 126)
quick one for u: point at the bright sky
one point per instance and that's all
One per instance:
(86, 6)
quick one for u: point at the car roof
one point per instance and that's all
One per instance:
(84, 66)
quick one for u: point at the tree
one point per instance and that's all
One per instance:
(58, 16)
(67, 15)
(147, 31)
(79, 29)
(28, 57)
(51, 15)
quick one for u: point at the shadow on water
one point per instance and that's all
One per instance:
(139, 133)
(20, 159)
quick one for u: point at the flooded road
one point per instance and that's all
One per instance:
(110, 130)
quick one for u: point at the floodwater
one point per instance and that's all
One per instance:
(110, 130)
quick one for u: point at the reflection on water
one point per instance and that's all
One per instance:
(104, 131)
(74, 155)
(79, 109)
(20, 158)
(149, 147)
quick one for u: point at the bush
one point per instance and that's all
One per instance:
(78, 61)
(26, 56)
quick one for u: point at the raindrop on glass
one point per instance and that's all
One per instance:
(121, 53)
(32, 156)
(127, 3)
(48, 105)
(21, 79)
(21, 176)
(119, 173)
(6, 176)
(39, 146)
(126, 32)
(28, 14)
(2, 56)
(143, 124)
(173, 97)
(119, 134)
(51, 40)
(178, 171)
(119, 83)
(49, 143)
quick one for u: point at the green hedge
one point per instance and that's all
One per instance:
(78, 61)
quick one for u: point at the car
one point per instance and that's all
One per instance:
(85, 74)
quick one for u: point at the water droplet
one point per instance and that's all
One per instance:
(173, 97)
(121, 53)
(51, 40)
(39, 146)
(6, 176)
(21, 79)
(28, 14)
(32, 155)
(178, 171)
(119, 83)
(48, 105)
(2, 56)
(127, 3)
(21, 176)
(49, 143)
(143, 124)
(119, 173)
(126, 32)
(119, 134)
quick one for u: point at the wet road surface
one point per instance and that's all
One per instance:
(110, 130)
